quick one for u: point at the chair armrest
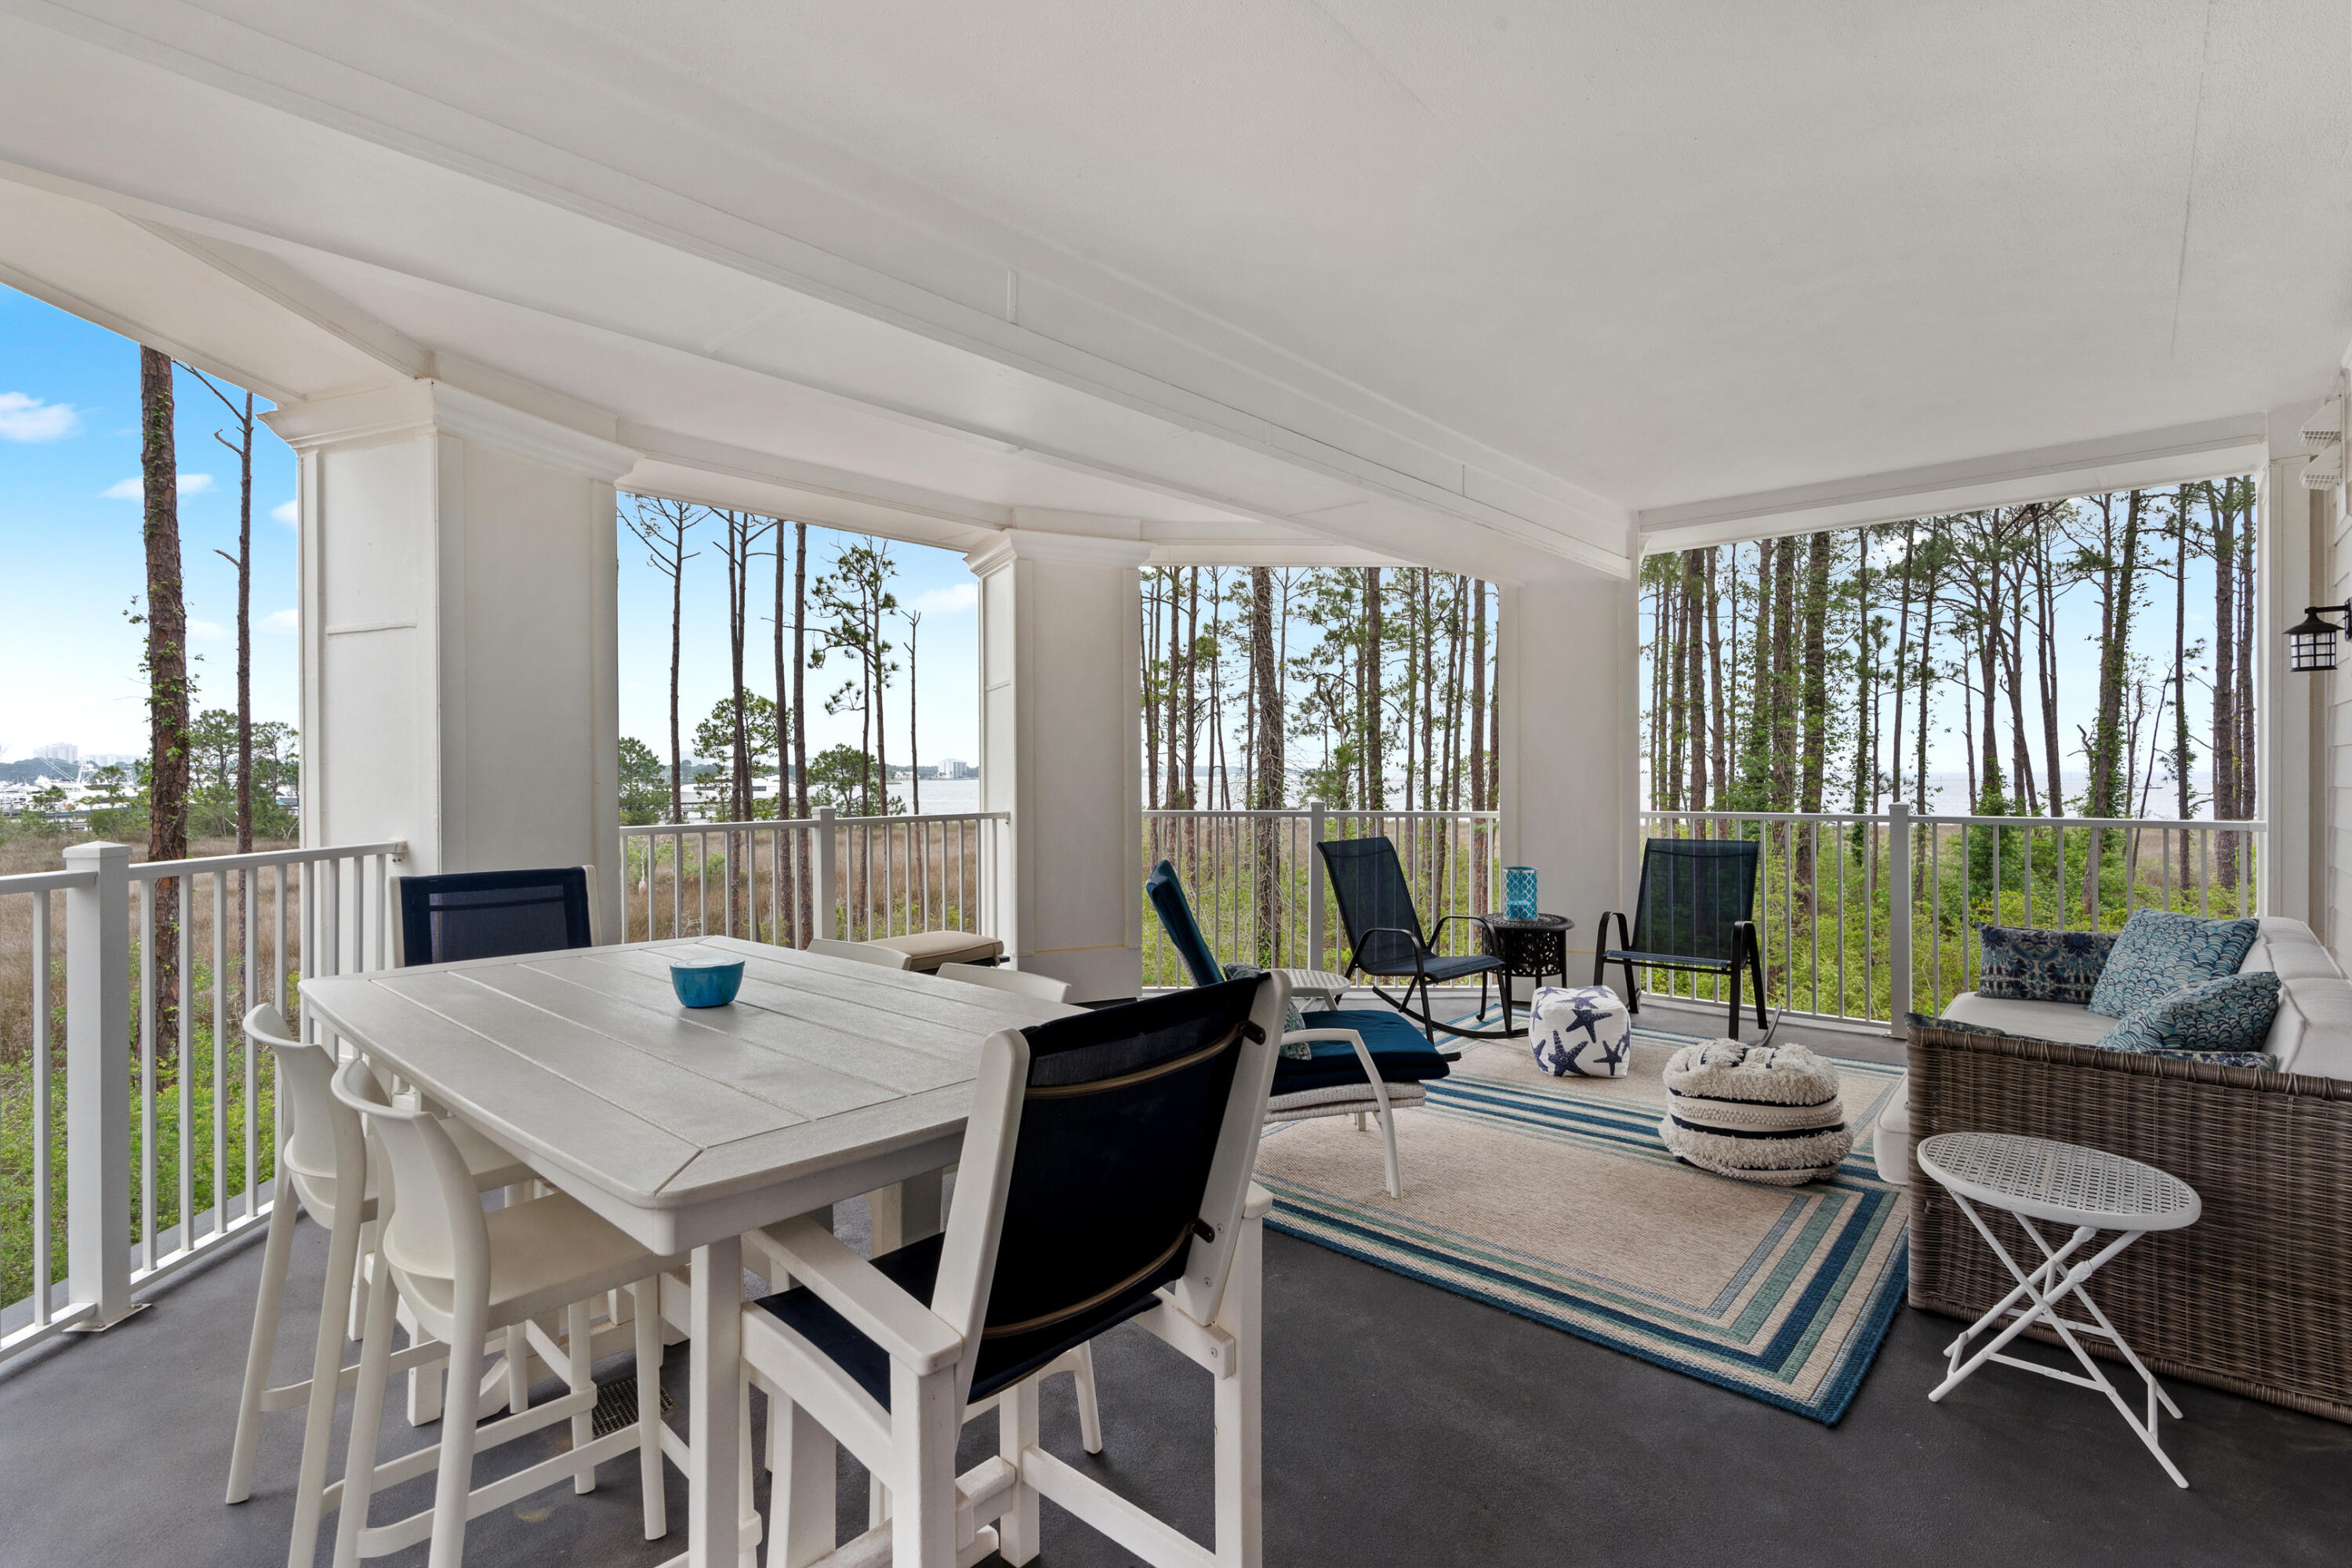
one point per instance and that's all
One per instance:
(1420, 947)
(1478, 921)
(908, 1329)
(1380, 1089)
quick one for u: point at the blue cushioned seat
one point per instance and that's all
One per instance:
(1399, 1051)
(915, 1268)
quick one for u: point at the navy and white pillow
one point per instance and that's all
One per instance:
(2158, 952)
(1293, 1020)
(2230, 1016)
(2027, 963)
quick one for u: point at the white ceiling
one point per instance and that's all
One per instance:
(1472, 284)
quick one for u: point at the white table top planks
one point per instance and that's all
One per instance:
(825, 1078)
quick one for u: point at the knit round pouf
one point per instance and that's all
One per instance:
(1755, 1113)
(1582, 1031)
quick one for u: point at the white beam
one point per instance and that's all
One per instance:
(2143, 460)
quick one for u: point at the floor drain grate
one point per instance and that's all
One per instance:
(616, 1406)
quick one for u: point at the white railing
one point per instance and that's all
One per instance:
(162, 1163)
(854, 876)
(1260, 893)
(1868, 917)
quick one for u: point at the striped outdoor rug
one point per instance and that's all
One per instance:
(1552, 1198)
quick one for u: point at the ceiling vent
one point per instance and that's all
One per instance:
(2326, 425)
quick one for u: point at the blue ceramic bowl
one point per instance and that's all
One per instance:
(706, 982)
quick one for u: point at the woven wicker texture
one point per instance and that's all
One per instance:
(2256, 1296)
(2061, 1181)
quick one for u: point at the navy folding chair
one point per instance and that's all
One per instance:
(491, 914)
(1691, 916)
(1358, 1061)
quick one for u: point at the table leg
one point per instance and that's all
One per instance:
(907, 1213)
(715, 1372)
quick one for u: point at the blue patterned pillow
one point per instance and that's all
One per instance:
(2025, 963)
(1293, 1019)
(2230, 1015)
(2157, 953)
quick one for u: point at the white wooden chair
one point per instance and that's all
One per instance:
(1120, 1143)
(872, 953)
(324, 1170)
(1043, 988)
(463, 1274)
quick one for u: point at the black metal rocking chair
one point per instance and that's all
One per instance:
(1386, 939)
(1692, 917)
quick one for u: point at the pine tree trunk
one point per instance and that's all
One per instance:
(804, 882)
(167, 679)
(677, 620)
(1718, 719)
(1174, 797)
(1784, 695)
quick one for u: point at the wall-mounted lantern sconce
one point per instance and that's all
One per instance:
(2311, 646)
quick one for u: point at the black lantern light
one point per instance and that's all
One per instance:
(2311, 646)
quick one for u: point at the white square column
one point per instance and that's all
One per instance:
(1061, 741)
(1568, 745)
(459, 632)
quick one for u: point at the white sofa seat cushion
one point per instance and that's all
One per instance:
(2063, 1021)
(1890, 1147)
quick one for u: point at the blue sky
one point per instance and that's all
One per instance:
(69, 524)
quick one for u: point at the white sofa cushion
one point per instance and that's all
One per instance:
(2064, 1020)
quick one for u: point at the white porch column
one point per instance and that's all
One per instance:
(1569, 744)
(2291, 571)
(459, 629)
(1061, 734)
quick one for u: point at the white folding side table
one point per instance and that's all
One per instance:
(2060, 1184)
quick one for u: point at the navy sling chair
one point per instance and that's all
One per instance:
(491, 914)
(1358, 1061)
(1692, 917)
(1387, 939)
(1104, 1179)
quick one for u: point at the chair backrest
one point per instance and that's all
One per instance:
(1375, 903)
(435, 1229)
(1175, 910)
(322, 1145)
(491, 914)
(1045, 988)
(1107, 1155)
(1692, 890)
(872, 953)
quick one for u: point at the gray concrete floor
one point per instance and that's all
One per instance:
(1403, 1426)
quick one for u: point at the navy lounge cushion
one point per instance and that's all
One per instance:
(915, 1268)
(1399, 1051)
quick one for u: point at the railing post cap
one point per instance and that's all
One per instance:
(98, 849)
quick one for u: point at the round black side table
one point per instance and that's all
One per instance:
(1528, 948)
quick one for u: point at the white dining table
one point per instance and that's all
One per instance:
(686, 1127)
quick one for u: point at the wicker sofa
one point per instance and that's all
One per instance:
(2255, 1298)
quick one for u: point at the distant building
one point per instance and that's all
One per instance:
(60, 751)
(951, 768)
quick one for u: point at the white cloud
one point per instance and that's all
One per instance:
(208, 629)
(285, 623)
(134, 489)
(949, 600)
(24, 418)
(288, 513)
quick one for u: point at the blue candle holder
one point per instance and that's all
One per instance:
(1520, 892)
